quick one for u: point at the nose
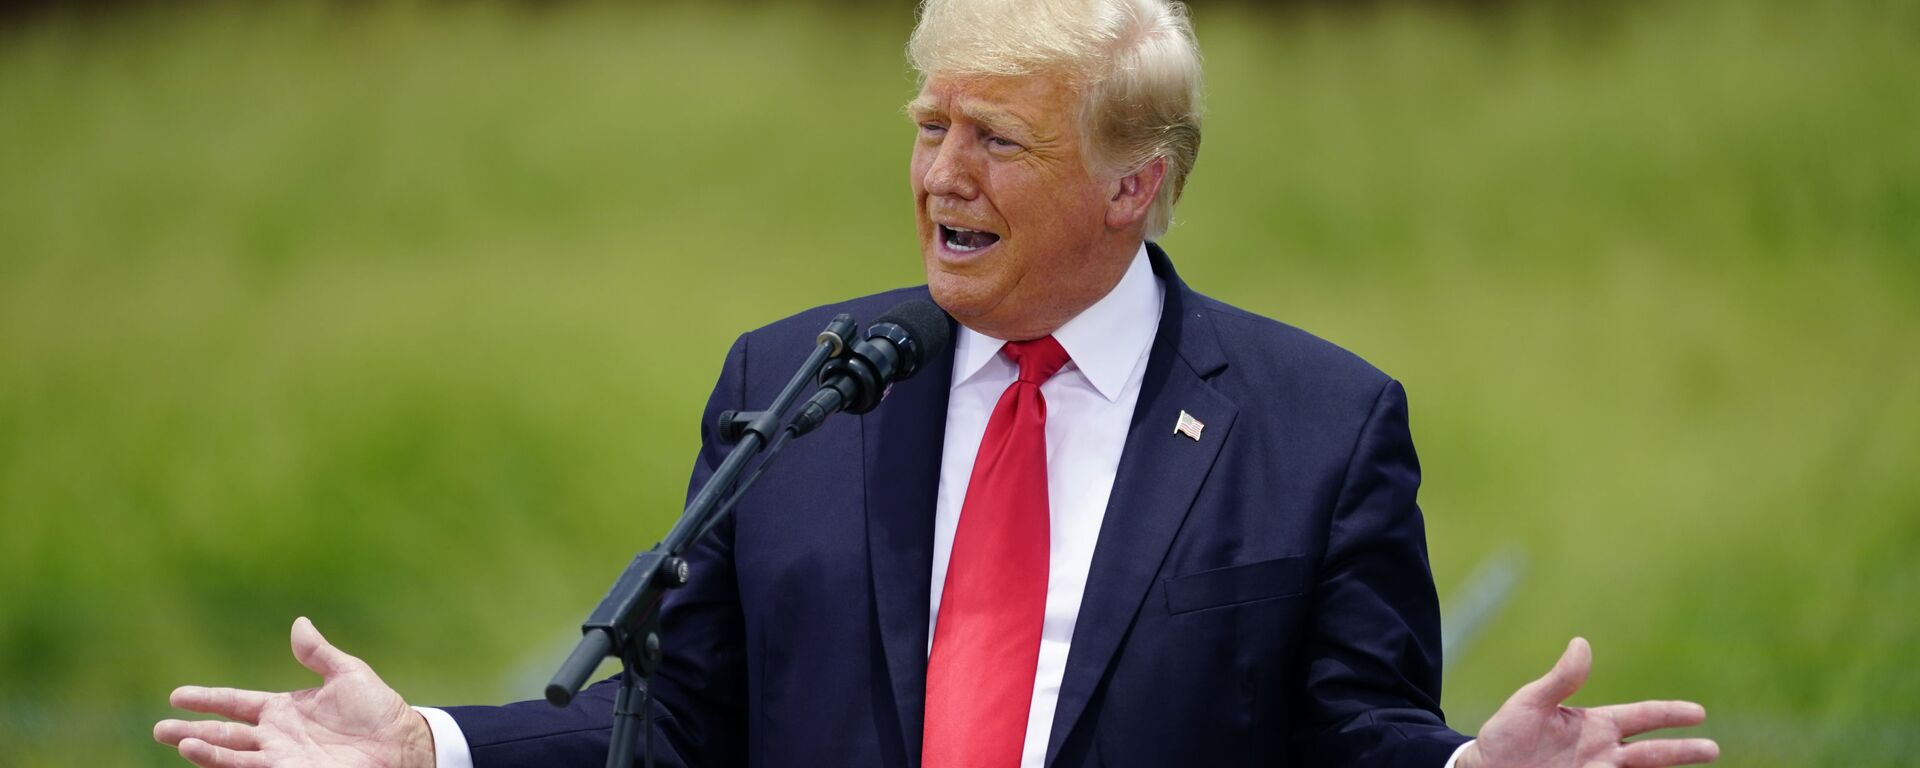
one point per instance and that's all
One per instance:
(951, 173)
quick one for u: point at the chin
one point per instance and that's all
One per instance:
(962, 297)
(950, 292)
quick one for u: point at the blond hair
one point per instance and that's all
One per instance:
(1134, 63)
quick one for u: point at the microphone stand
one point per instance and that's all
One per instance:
(626, 623)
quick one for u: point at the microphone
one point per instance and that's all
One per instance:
(897, 344)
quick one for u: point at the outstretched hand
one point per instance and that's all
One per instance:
(1534, 730)
(352, 719)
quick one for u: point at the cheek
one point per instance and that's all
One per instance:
(1054, 211)
(1046, 197)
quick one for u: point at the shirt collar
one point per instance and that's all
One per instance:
(1105, 340)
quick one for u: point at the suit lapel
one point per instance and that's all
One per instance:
(902, 446)
(1160, 472)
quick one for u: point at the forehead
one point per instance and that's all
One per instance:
(1036, 100)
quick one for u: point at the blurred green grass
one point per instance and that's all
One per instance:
(400, 316)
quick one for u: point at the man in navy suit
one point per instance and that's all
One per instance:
(1120, 523)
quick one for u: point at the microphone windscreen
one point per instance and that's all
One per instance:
(927, 325)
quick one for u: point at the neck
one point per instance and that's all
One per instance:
(1065, 303)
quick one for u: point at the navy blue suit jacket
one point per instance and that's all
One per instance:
(1260, 596)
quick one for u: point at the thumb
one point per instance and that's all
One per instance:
(1565, 679)
(315, 653)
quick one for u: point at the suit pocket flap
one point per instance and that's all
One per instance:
(1236, 584)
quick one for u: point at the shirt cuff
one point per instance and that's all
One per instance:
(450, 744)
(1450, 760)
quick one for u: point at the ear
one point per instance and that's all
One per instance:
(1134, 193)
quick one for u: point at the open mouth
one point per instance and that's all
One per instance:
(966, 240)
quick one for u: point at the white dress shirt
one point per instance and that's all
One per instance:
(1089, 407)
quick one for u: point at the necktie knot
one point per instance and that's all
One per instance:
(1038, 359)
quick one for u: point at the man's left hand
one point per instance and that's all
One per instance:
(1534, 730)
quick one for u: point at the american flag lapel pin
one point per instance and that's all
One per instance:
(1189, 426)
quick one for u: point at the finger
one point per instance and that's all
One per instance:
(1656, 753)
(230, 703)
(1561, 682)
(219, 733)
(207, 755)
(1641, 717)
(315, 653)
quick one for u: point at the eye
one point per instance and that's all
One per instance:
(931, 129)
(1003, 144)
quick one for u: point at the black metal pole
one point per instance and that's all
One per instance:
(620, 749)
(622, 624)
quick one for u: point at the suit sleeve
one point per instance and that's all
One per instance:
(1372, 678)
(700, 689)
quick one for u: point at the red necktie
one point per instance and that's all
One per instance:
(986, 640)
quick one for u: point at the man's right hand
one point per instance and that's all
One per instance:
(352, 719)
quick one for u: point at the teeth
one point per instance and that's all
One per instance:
(953, 237)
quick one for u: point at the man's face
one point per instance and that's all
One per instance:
(1013, 228)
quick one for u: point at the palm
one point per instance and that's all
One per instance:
(352, 719)
(346, 721)
(1562, 736)
(1535, 730)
